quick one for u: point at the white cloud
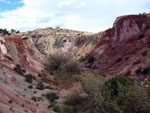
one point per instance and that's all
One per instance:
(87, 15)
(82, 4)
(65, 3)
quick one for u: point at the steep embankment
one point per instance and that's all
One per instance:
(121, 50)
(21, 64)
(15, 96)
(125, 48)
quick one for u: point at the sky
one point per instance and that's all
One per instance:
(83, 15)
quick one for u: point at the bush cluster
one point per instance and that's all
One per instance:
(40, 86)
(29, 78)
(62, 65)
(19, 70)
(4, 32)
(51, 96)
(120, 95)
(90, 58)
(143, 70)
(117, 95)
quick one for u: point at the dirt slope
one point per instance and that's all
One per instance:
(15, 96)
(124, 48)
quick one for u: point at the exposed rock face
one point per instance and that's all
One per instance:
(26, 52)
(76, 43)
(121, 49)
(15, 96)
(129, 26)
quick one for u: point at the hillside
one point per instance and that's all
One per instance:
(73, 57)
(49, 41)
(17, 61)
(124, 48)
(22, 58)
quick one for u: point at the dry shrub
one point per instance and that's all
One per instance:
(63, 67)
(62, 63)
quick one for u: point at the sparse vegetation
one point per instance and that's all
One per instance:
(4, 32)
(49, 87)
(56, 107)
(10, 101)
(146, 70)
(90, 58)
(141, 36)
(30, 86)
(118, 95)
(40, 86)
(58, 43)
(29, 78)
(19, 70)
(119, 59)
(81, 59)
(137, 62)
(127, 73)
(23, 105)
(144, 53)
(34, 98)
(51, 96)
(74, 104)
(55, 62)
(63, 67)
(143, 70)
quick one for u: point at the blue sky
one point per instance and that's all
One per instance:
(10, 4)
(84, 15)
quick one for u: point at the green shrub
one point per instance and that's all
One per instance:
(143, 70)
(116, 84)
(75, 104)
(90, 58)
(19, 70)
(30, 86)
(119, 60)
(120, 95)
(51, 96)
(69, 109)
(40, 86)
(34, 98)
(49, 87)
(137, 62)
(57, 108)
(138, 71)
(81, 59)
(29, 78)
(4, 32)
(146, 70)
